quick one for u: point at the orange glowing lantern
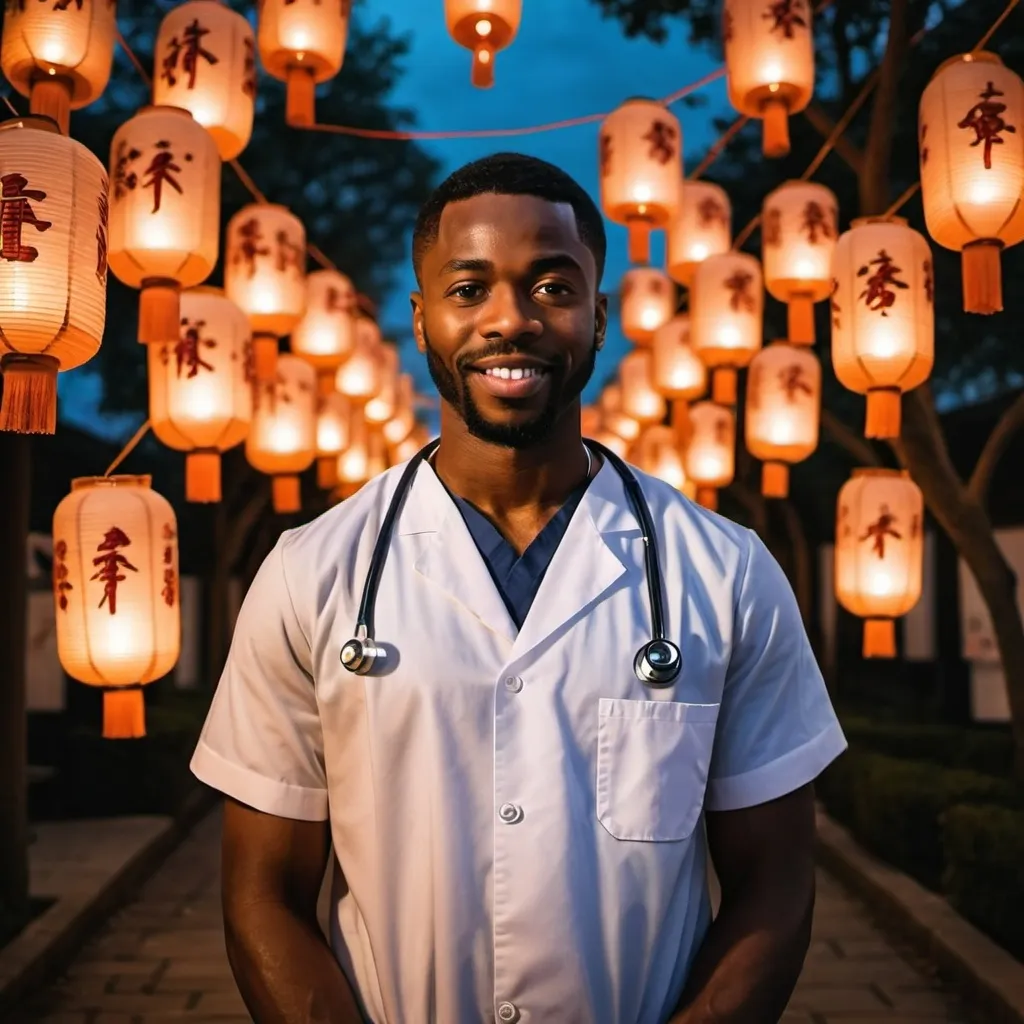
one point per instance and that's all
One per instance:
(205, 58)
(115, 587)
(710, 457)
(383, 405)
(409, 445)
(332, 421)
(282, 438)
(640, 402)
(403, 422)
(799, 226)
(485, 27)
(53, 205)
(657, 452)
(376, 452)
(640, 158)
(613, 416)
(701, 228)
(971, 130)
(879, 552)
(265, 276)
(648, 301)
(302, 43)
(677, 371)
(59, 54)
(782, 411)
(353, 463)
(726, 317)
(769, 63)
(883, 316)
(323, 337)
(164, 212)
(360, 377)
(200, 387)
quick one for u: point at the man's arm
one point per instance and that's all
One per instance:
(751, 958)
(272, 871)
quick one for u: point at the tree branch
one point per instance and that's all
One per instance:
(859, 448)
(824, 126)
(998, 441)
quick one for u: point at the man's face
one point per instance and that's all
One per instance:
(509, 316)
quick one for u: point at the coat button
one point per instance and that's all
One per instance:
(511, 814)
(513, 684)
(507, 1012)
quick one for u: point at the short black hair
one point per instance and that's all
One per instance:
(510, 174)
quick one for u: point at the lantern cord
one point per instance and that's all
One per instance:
(716, 150)
(983, 41)
(903, 199)
(130, 54)
(10, 106)
(128, 448)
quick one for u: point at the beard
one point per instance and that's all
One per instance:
(454, 389)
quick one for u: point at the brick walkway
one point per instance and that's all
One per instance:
(162, 959)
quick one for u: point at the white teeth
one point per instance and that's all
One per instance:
(509, 374)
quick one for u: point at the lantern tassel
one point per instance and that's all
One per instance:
(775, 480)
(482, 75)
(287, 494)
(723, 386)
(300, 97)
(29, 403)
(124, 714)
(159, 312)
(776, 129)
(264, 357)
(983, 277)
(879, 638)
(327, 472)
(801, 320)
(882, 418)
(202, 476)
(639, 229)
(326, 383)
(51, 97)
(681, 423)
(708, 497)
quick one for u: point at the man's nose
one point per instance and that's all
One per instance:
(509, 313)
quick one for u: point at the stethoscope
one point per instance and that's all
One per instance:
(656, 664)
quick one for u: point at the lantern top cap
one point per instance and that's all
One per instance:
(37, 122)
(82, 483)
(878, 471)
(642, 99)
(205, 289)
(800, 183)
(861, 221)
(162, 108)
(981, 57)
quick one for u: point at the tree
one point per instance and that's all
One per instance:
(857, 40)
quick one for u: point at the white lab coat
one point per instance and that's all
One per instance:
(516, 819)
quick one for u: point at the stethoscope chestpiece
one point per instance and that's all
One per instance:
(360, 654)
(658, 663)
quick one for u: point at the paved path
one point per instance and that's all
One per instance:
(162, 959)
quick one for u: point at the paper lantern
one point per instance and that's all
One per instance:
(726, 318)
(265, 276)
(53, 247)
(403, 420)
(205, 63)
(116, 592)
(323, 337)
(282, 439)
(879, 552)
(883, 316)
(656, 451)
(799, 227)
(769, 63)
(614, 417)
(360, 377)
(971, 132)
(381, 407)
(485, 27)
(353, 463)
(58, 53)
(376, 452)
(200, 387)
(783, 409)
(640, 401)
(701, 228)
(640, 158)
(302, 43)
(677, 371)
(332, 419)
(409, 445)
(164, 212)
(710, 457)
(648, 301)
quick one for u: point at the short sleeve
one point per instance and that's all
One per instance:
(262, 742)
(777, 729)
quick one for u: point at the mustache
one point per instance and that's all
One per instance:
(504, 348)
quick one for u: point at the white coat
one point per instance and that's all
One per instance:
(517, 820)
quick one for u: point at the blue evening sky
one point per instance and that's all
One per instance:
(566, 61)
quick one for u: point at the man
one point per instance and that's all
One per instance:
(520, 825)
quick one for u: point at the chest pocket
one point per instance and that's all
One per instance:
(652, 767)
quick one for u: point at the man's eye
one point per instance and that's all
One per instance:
(554, 288)
(467, 291)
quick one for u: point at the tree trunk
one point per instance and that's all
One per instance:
(802, 577)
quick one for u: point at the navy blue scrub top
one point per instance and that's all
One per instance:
(518, 577)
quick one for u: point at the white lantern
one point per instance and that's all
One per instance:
(640, 401)
(332, 420)
(613, 415)
(323, 337)
(648, 301)
(710, 458)
(701, 228)
(677, 371)
(383, 405)
(360, 377)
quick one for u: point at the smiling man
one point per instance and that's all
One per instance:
(576, 685)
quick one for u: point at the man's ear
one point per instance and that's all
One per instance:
(600, 320)
(417, 321)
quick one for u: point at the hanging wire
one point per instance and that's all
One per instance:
(128, 448)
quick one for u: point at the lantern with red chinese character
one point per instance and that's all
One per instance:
(164, 212)
(381, 407)
(879, 553)
(403, 420)
(701, 228)
(726, 315)
(656, 451)
(115, 584)
(640, 402)
(769, 63)
(53, 248)
(640, 158)
(265, 276)
(648, 301)
(799, 226)
(302, 43)
(205, 61)
(782, 411)
(710, 457)
(282, 439)
(58, 54)
(323, 337)
(200, 387)
(359, 377)
(485, 27)
(332, 419)
(677, 372)
(883, 317)
(971, 131)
